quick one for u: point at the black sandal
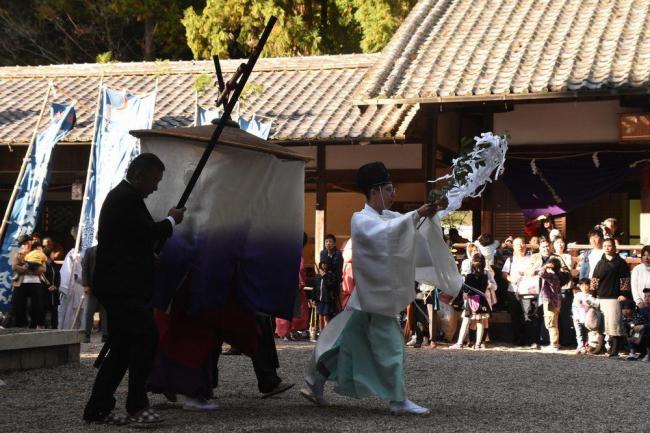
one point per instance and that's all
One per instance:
(145, 418)
(111, 419)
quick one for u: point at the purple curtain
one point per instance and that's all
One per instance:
(557, 186)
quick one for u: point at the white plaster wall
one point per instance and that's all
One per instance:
(561, 123)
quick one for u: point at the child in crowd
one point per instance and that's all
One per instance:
(466, 265)
(487, 246)
(326, 295)
(581, 303)
(637, 323)
(476, 308)
(36, 258)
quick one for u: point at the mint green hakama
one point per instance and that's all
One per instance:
(363, 354)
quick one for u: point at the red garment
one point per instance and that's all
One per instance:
(189, 338)
(284, 327)
(347, 285)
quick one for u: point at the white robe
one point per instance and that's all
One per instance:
(71, 290)
(390, 254)
(362, 348)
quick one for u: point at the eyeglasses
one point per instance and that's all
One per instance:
(390, 190)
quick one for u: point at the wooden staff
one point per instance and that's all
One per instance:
(91, 158)
(246, 69)
(243, 71)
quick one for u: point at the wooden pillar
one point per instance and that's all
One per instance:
(487, 204)
(430, 149)
(321, 201)
(645, 204)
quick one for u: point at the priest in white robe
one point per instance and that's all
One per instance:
(362, 349)
(72, 292)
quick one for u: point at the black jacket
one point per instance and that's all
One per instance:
(124, 265)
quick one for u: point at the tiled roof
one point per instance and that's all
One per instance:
(450, 50)
(309, 98)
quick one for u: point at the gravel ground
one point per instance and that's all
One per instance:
(494, 390)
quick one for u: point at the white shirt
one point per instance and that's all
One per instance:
(640, 279)
(516, 265)
(594, 257)
(466, 267)
(30, 279)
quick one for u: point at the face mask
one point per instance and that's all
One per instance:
(383, 205)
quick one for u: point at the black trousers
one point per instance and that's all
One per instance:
(133, 338)
(567, 332)
(51, 305)
(265, 361)
(531, 319)
(516, 318)
(34, 293)
(421, 318)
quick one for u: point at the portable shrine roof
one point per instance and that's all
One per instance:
(230, 136)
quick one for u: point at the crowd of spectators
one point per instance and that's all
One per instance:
(39, 294)
(592, 300)
(35, 283)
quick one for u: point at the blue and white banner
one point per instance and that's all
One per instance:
(254, 126)
(33, 186)
(115, 148)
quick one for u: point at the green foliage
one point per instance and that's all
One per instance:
(250, 90)
(74, 31)
(230, 28)
(106, 57)
(378, 19)
(203, 82)
(77, 31)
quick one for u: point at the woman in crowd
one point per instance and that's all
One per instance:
(565, 321)
(640, 278)
(29, 266)
(550, 297)
(611, 281)
(52, 280)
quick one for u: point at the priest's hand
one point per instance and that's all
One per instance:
(442, 203)
(426, 210)
(177, 214)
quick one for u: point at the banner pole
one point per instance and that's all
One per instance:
(91, 158)
(196, 108)
(23, 167)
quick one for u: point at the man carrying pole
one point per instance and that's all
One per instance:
(123, 283)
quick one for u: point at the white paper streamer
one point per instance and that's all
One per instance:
(473, 185)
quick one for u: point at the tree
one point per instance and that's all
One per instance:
(230, 28)
(378, 19)
(69, 31)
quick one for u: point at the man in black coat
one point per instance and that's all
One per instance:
(123, 282)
